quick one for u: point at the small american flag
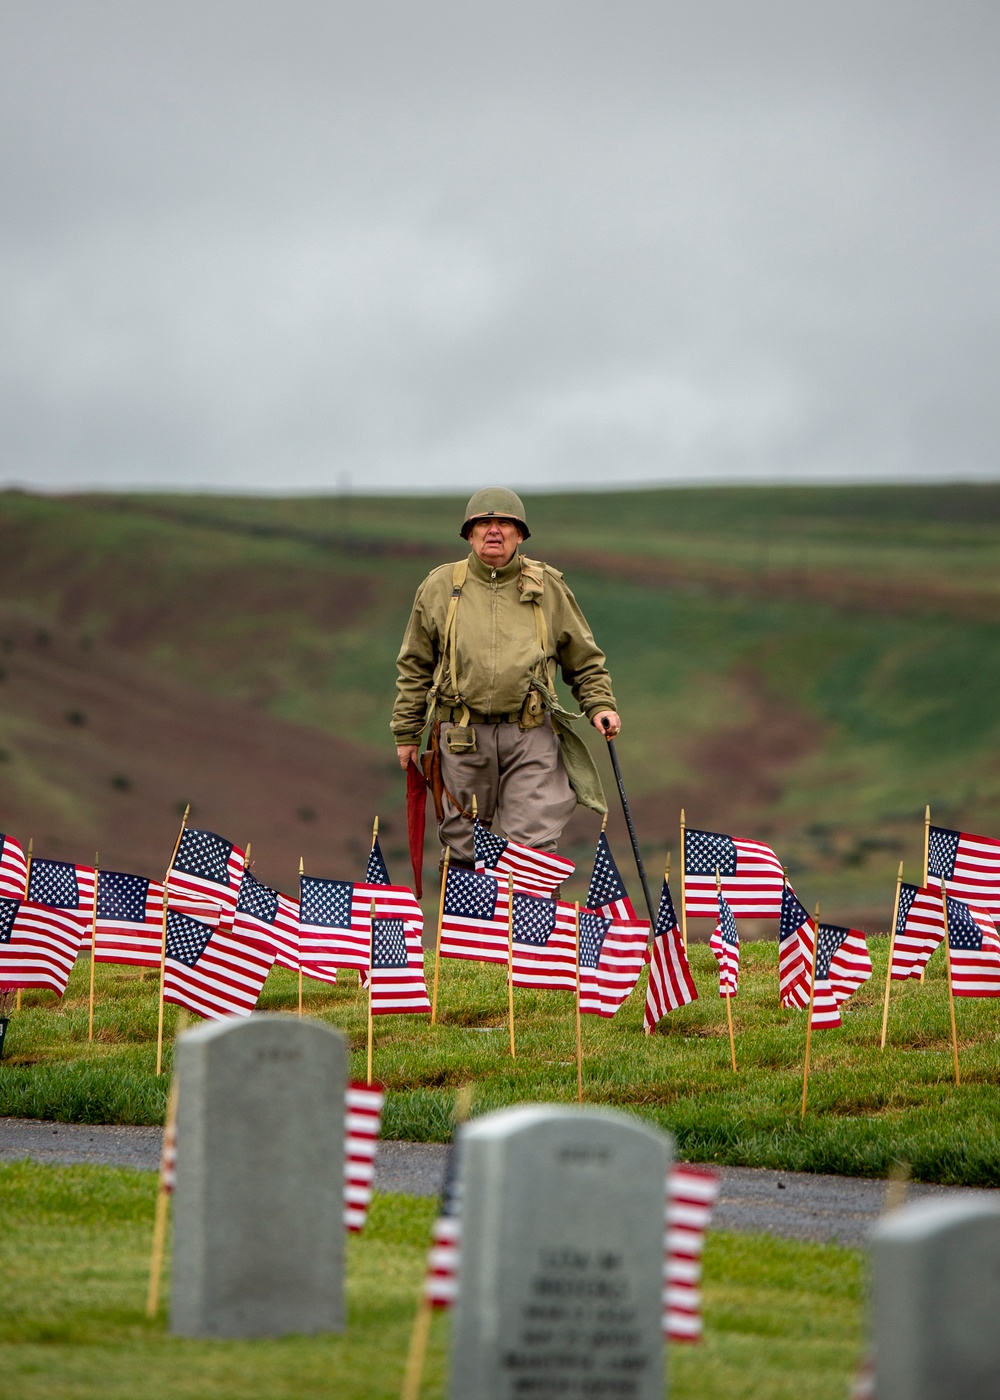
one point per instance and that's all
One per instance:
(335, 920)
(842, 966)
(62, 885)
(397, 969)
(544, 943)
(974, 949)
(365, 1103)
(474, 918)
(13, 868)
(213, 972)
(607, 894)
(752, 877)
(795, 943)
(269, 917)
(969, 864)
(725, 944)
(919, 930)
(670, 982)
(612, 956)
(130, 918)
(377, 872)
(534, 872)
(691, 1196)
(38, 944)
(825, 1006)
(209, 868)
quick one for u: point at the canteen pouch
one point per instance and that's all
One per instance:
(461, 738)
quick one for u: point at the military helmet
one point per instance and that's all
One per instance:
(494, 500)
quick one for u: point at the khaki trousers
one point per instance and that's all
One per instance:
(518, 779)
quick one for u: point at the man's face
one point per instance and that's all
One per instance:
(495, 540)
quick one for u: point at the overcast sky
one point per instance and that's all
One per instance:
(275, 246)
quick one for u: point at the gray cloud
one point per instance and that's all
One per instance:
(262, 246)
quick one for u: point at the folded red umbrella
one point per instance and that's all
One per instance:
(416, 820)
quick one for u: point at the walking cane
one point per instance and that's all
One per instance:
(628, 822)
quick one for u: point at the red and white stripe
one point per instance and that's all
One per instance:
(44, 944)
(753, 892)
(140, 944)
(474, 939)
(365, 1103)
(441, 1281)
(552, 966)
(603, 989)
(691, 1196)
(168, 1158)
(13, 868)
(227, 979)
(670, 982)
(919, 930)
(534, 872)
(323, 948)
(851, 965)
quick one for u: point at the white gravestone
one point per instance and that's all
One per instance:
(936, 1302)
(258, 1239)
(561, 1274)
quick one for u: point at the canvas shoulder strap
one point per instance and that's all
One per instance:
(459, 574)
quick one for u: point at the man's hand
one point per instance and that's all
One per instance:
(407, 754)
(614, 723)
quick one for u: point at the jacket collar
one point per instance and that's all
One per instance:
(509, 573)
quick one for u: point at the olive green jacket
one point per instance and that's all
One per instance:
(499, 656)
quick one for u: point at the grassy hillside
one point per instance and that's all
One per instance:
(810, 666)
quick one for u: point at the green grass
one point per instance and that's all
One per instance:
(783, 1319)
(867, 1109)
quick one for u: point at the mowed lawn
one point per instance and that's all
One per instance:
(783, 1319)
(868, 1109)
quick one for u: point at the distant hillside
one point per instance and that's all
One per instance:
(810, 666)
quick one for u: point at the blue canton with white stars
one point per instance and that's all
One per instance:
(489, 848)
(593, 931)
(8, 913)
(121, 898)
(666, 918)
(469, 896)
(377, 872)
(907, 894)
(708, 851)
(53, 882)
(828, 940)
(942, 849)
(205, 854)
(257, 900)
(963, 931)
(605, 882)
(389, 944)
(534, 919)
(187, 938)
(793, 915)
(325, 903)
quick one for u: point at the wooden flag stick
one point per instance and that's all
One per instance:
(809, 1022)
(951, 989)
(302, 871)
(437, 942)
(163, 943)
(371, 989)
(162, 1206)
(510, 961)
(728, 995)
(374, 832)
(892, 953)
(93, 947)
(684, 912)
(579, 1033)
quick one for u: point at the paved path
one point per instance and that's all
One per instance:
(797, 1205)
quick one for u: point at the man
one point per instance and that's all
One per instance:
(478, 663)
